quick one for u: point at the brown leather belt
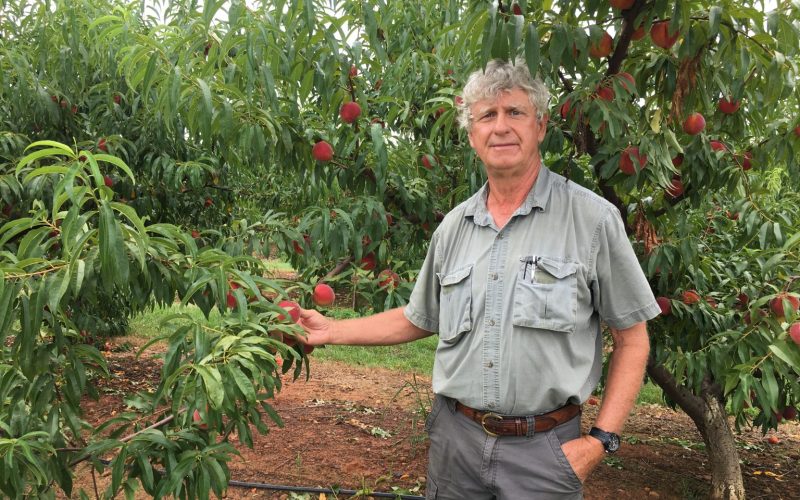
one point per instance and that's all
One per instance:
(503, 425)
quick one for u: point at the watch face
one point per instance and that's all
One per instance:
(613, 443)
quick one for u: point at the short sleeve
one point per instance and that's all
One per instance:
(620, 291)
(423, 305)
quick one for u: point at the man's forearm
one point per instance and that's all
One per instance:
(386, 328)
(625, 373)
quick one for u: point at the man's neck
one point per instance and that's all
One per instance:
(506, 194)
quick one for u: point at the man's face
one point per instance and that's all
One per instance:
(506, 134)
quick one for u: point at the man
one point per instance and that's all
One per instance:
(516, 281)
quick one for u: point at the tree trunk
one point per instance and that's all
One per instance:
(707, 410)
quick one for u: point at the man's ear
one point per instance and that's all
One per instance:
(544, 119)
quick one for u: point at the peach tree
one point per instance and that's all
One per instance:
(77, 244)
(328, 137)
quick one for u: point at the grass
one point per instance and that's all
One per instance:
(650, 395)
(148, 324)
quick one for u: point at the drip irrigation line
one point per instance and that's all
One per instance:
(327, 491)
(308, 489)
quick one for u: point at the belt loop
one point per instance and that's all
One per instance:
(531, 425)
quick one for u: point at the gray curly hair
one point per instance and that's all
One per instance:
(501, 76)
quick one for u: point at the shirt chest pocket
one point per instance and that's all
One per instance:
(455, 303)
(546, 294)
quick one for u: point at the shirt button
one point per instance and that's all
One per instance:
(490, 405)
(494, 276)
(491, 322)
(489, 364)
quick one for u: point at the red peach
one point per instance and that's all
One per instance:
(323, 295)
(728, 106)
(198, 419)
(625, 76)
(387, 278)
(621, 4)
(368, 262)
(322, 151)
(665, 304)
(718, 145)
(690, 297)
(626, 160)
(660, 35)
(292, 308)
(794, 332)
(675, 188)
(776, 304)
(605, 93)
(694, 124)
(601, 48)
(350, 111)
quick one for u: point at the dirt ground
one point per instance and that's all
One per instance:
(357, 428)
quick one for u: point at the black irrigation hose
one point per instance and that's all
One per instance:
(307, 489)
(327, 491)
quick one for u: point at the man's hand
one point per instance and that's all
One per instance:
(319, 329)
(583, 455)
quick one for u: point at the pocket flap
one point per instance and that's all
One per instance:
(558, 269)
(454, 277)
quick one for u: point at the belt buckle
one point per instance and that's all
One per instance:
(483, 422)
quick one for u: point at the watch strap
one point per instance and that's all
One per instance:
(609, 439)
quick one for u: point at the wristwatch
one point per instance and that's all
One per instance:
(609, 439)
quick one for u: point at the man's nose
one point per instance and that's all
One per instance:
(501, 123)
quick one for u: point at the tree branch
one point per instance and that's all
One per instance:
(691, 404)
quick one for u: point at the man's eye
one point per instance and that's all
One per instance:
(487, 116)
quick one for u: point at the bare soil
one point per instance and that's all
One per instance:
(357, 428)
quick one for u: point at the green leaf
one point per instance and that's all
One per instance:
(243, 383)
(114, 266)
(713, 21)
(37, 155)
(532, 49)
(117, 162)
(787, 353)
(57, 287)
(213, 384)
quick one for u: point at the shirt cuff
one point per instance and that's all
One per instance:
(422, 321)
(646, 313)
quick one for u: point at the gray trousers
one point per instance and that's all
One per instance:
(466, 463)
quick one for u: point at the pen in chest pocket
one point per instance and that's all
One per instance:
(530, 268)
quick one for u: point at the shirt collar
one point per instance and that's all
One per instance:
(538, 197)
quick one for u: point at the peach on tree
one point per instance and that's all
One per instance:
(728, 106)
(292, 308)
(349, 112)
(323, 295)
(621, 4)
(794, 332)
(322, 151)
(660, 35)
(631, 160)
(694, 124)
(602, 47)
(777, 304)
(388, 279)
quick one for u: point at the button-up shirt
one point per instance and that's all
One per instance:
(518, 309)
